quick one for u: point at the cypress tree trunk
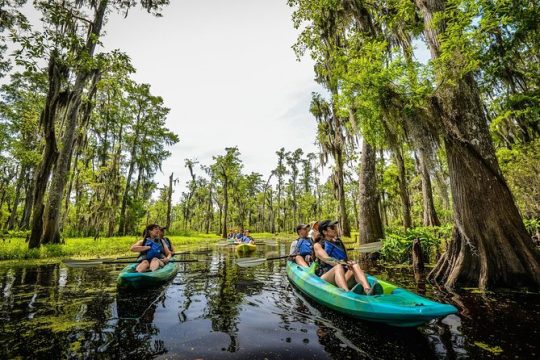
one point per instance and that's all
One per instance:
(18, 186)
(225, 205)
(339, 181)
(29, 197)
(490, 246)
(58, 182)
(371, 229)
(430, 215)
(53, 102)
(403, 191)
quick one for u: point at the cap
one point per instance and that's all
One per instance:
(302, 226)
(314, 225)
(323, 225)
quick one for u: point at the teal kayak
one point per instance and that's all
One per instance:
(128, 277)
(396, 306)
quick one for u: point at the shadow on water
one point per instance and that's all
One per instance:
(216, 309)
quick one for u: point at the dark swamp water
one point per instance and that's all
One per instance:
(215, 309)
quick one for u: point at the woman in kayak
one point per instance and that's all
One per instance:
(335, 264)
(154, 251)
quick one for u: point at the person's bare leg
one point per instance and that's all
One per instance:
(300, 261)
(143, 266)
(336, 276)
(360, 277)
(154, 264)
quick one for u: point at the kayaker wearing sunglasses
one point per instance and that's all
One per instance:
(334, 264)
(154, 251)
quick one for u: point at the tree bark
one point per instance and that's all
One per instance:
(28, 201)
(371, 229)
(403, 191)
(59, 179)
(225, 204)
(18, 186)
(340, 184)
(430, 215)
(490, 246)
(56, 74)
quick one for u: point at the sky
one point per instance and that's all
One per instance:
(227, 72)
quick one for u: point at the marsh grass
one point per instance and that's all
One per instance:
(17, 248)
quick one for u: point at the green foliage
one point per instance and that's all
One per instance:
(16, 248)
(521, 168)
(397, 245)
(532, 226)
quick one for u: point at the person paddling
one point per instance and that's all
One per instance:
(332, 254)
(247, 239)
(154, 251)
(302, 248)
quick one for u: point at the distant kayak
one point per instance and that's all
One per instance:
(245, 248)
(128, 277)
(396, 306)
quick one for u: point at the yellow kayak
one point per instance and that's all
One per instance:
(245, 248)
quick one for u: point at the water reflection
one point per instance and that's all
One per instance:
(215, 309)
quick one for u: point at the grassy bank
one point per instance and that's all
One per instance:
(17, 248)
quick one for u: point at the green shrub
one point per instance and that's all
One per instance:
(397, 245)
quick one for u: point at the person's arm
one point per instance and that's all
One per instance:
(323, 256)
(168, 254)
(292, 250)
(138, 247)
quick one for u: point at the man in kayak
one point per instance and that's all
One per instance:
(154, 251)
(166, 239)
(335, 264)
(302, 248)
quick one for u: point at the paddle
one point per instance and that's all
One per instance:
(367, 248)
(90, 263)
(249, 262)
(196, 252)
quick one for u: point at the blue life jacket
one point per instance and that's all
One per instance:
(304, 247)
(335, 250)
(239, 236)
(246, 239)
(155, 251)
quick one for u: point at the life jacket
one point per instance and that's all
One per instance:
(239, 236)
(335, 250)
(155, 251)
(304, 247)
(246, 239)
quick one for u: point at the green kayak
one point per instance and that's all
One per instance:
(396, 306)
(128, 277)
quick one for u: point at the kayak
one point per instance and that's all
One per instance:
(245, 248)
(396, 306)
(128, 277)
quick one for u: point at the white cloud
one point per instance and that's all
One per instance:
(227, 71)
